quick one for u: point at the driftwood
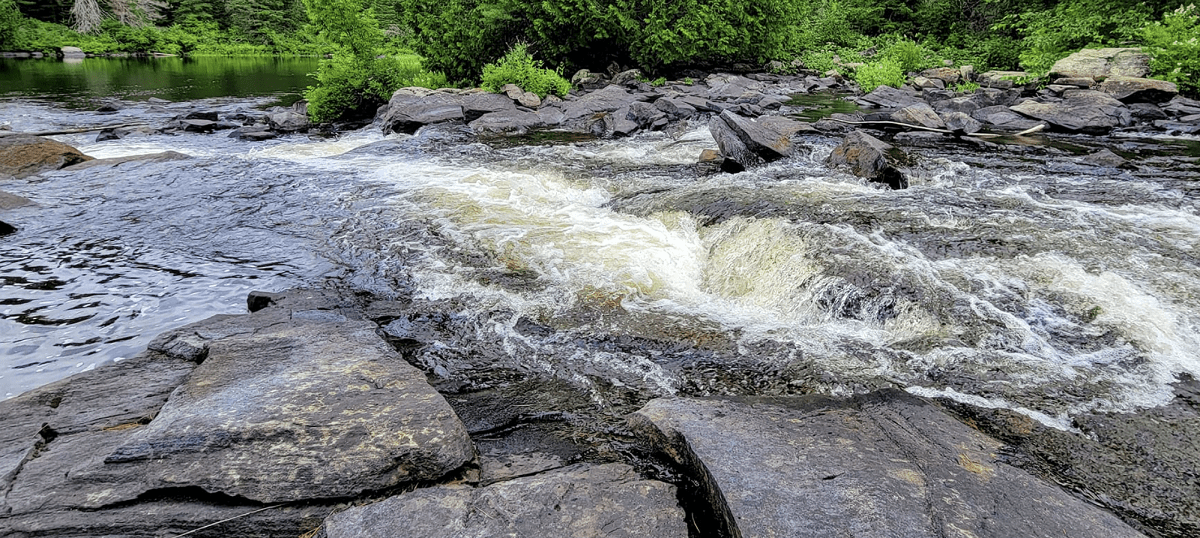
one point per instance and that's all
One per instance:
(75, 131)
(1031, 130)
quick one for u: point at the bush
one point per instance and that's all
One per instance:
(1068, 26)
(518, 67)
(884, 72)
(909, 55)
(1174, 46)
(10, 20)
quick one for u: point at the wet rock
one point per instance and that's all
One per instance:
(646, 115)
(749, 142)
(710, 162)
(675, 109)
(476, 105)
(71, 52)
(1004, 119)
(288, 121)
(618, 123)
(108, 108)
(162, 156)
(197, 126)
(1182, 106)
(1146, 112)
(1178, 127)
(201, 115)
(1102, 63)
(1139, 90)
(1104, 157)
(509, 122)
(24, 155)
(882, 464)
(254, 133)
(582, 500)
(870, 158)
(919, 114)
(961, 124)
(608, 99)
(119, 133)
(587, 80)
(889, 97)
(406, 113)
(1085, 111)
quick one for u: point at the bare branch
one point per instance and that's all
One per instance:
(86, 16)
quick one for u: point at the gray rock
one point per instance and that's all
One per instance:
(24, 155)
(889, 97)
(1139, 90)
(626, 77)
(71, 52)
(966, 104)
(288, 121)
(1001, 117)
(1078, 82)
(749, 142)
(587, 80)
(1102, 63)
(928, 83)
(1000, 79)
(948, 75)
(607, 99)
(406, 113)
(645, 115)
(1182, 106)
(731, 87)
(584, 501)
(676, 109)
(1086, 111)
(475, 105)
(162, 156)
(1104, 157)
(870, 158)
(11, 201)
(919, 114)
(508, 122)
(1147, 112)
(961, 124)
(881, 464)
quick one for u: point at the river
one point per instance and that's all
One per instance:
(1044, 287)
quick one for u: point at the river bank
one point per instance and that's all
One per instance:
(1011, 332)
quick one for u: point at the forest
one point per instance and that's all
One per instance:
(377, 44)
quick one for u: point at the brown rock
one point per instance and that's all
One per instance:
(25, 155)
(1139, 90)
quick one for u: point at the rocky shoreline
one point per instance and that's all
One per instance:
(298, 420)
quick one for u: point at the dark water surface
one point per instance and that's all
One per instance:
(82, 83)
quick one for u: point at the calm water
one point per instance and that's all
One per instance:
(85, 82)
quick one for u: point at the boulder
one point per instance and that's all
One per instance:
(749, 142)
(1085, 111)
(869, 158)
(889, 97)
(626, 77)
(475, 105)
(1182, 106)
(587, 80)
(586, 501)
(407, 112)
(646, 116)
(918, 114)
(198, 126)
(608, 99)
(507, 122)
(1139, 90)
(961, 124)
(929, 83)
(201, 115)
(71, 52)
(1001, 117)
(1102, 63)
(1078, 82)
(881, 464)
(1104, 157)
(675, 109)
(966, 104)
(288, 121)
(24, 155)
(522, 97)
(1001, 79)
(948, 75)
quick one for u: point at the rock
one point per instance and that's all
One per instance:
(711, 162)
(1102, 63)
(587, 80)
(607, 99)
(201, 115)
(869, 158)
(1001, 79)
(1139, 90)
(961, 124)
(626, 77)
(889, 97)
(162, 156)
(1178, 127)
(1147, 112)
(675, 109)
(71, 52)
(731, 87)
(524, 98)
(406, 113)
(157, 101)
(475, 105)
(646, 115)
(582, 500)
(928, 83)
(119, 133)
(749, 142)
(948, 75)
(197, 126)
(507, 122)
(109, 108)
(288, 121)
(9, 201)
(1001, 117)
(966, 72)
(881, 464)
(1104, 157)
(1182, 106)
(1086, 111)
(255, 133)
(966, 105)
(24, 155)
(618, 123)
(1078, 82)
(918, 114)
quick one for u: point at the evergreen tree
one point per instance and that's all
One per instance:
(10, 20)
(197, 12)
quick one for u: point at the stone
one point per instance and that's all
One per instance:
(288, 121)
(583, 500)
(1104, 157)
(618, 123)
(919, 114)
(1139, 90)
(256, 133)
(71, 52)
(607, 99)
(928, 83)
(966, 104)
(889, 97)
(1182, 106)
(869, 158)
(507, 122)
(626, 77)
(1078, 82)
(406, 112)
(676, 109)
(162, 156)
(880, 464)
(201, 115)
(644, 114)
(726, 87)
(587, 80)
(475, 105)
(1085, 111)
(1147, 112)
(24, 155)
(1001, 79)
(197, 126)
(961, 124)
(749, 142)
(948, 75)
(10, 201)
(1102, 63)
(710, 162)
(1001, 117)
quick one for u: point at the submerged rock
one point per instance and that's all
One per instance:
(161, 156)
(869, 158)
(580, 501)
(23, 155)
(881, 464)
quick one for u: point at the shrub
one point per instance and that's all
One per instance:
(908, 54)
(884, 72)
(10, 20)
(1174, 46)
(518, 67)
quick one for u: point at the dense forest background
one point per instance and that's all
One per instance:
(452, 40)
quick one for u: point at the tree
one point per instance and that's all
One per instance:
(86, 15)
(10, 20)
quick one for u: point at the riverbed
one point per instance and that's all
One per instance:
(1043, 286)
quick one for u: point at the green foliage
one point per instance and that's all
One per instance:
(883, 72)
(966, 87)
(1174, 46)
(909, 55)
(1051, 34)
(10, 21)
(518, 67)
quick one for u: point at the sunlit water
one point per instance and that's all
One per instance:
(1052, 295)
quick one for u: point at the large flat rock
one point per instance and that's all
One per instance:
(1101, 63)
(24, 155)
(581, 501)
(882, 464)
(1084, 111)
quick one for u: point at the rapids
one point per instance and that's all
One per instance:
(1044, 288)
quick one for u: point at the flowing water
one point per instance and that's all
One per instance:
(612, 263)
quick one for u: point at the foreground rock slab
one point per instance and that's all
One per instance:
(581, 501)
(25, 155)
(881, 464)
